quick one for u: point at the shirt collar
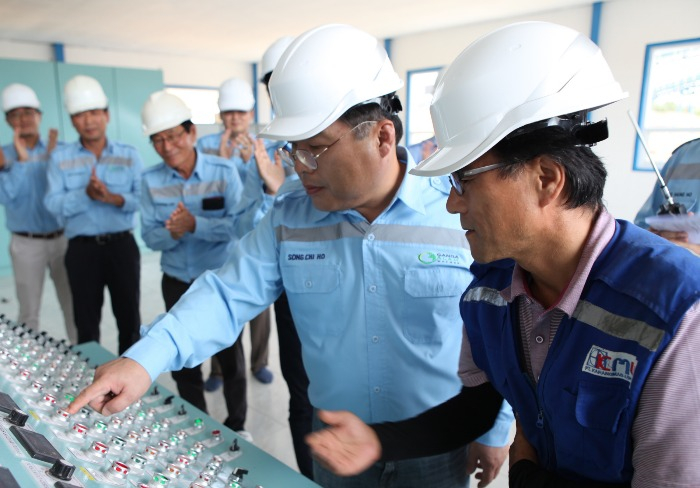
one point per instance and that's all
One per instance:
(599, 237)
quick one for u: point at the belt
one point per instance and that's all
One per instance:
(104, 238)
(32, 235)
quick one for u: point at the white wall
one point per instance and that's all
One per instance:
(626, 27)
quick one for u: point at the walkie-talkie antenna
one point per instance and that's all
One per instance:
(670, 207)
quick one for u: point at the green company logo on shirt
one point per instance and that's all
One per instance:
(427, 257)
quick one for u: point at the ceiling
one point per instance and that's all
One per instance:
(233, 29)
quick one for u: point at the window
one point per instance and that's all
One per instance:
(670, 103)
(419, 93)
(203, 102)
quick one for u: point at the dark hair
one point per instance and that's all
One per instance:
(585, 172)
(386, 107)
(187, 125)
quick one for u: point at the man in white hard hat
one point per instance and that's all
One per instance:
(588, 326)
(681, 173)
(237, 144)
(187, 213)
(371, 263)
(37, 241)
(94, 186)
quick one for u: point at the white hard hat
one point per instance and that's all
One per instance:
(163, 111)
(83, 93)
(236, 94)
(519, 74)
(322, 74)
(273, 54)
(17, 95)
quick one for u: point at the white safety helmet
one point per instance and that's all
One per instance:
(82, 93)
(519, 74)
(17, 95)
(163, 111)
(322, 74)
(236, 94)
(272, 55)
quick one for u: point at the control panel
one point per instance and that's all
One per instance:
(158, 441)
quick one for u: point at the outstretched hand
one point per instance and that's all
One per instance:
(117, 385)
(347, 446)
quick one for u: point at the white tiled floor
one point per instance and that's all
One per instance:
(267, 404)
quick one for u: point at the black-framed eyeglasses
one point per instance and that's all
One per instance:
(307, 158)
(172, 138)
(464, 174)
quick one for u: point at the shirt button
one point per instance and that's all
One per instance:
(377, 389)
(375, 339)
(370, 237)
(539, 339)
(436, 181)
(372, 288)
(309, 283)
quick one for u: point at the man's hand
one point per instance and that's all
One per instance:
(487, 459)
(180, 222)
(20, 146)
(347, 446)
(97, 190)
(272, 173)
(243, 142)
(117, 385)
(521, 448)
(53, 140)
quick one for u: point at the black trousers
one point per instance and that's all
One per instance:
(190, 384)
(300, 410)
(93, 264)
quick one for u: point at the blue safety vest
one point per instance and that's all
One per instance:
(579, 414)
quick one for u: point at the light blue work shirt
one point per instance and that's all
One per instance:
(22, 189)
(682, 176)
(119, 168)
(210, 194)
(376, 305)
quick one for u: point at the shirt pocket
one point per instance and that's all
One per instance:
(311, 290)
(77, 179)
(117, 178)
(431, 302)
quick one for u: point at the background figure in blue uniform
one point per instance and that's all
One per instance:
(237, 144)
(291, 363)
(94, 187)
(588, 326)
(187, 204)
(371, 263)
(37, 240)
(682, 176)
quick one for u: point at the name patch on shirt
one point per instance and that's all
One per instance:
(430, 257)
(306, 257)
(610, 364)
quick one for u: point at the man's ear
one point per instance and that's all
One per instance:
(551, 178)
(385, 135)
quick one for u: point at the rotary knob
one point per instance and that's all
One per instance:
(62, 469)
(17, 417)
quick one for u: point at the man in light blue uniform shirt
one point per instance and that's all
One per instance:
(37, 240)
(94, 186)
(238, 145)
(372, 264)
(187, 204)
(682, 176)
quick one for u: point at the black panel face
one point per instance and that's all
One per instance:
(36, 445)
(7, 404)
(7, 480)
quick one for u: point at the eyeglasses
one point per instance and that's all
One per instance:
(307, 158)
(172, 138)
(463, 174)
(17, 113)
